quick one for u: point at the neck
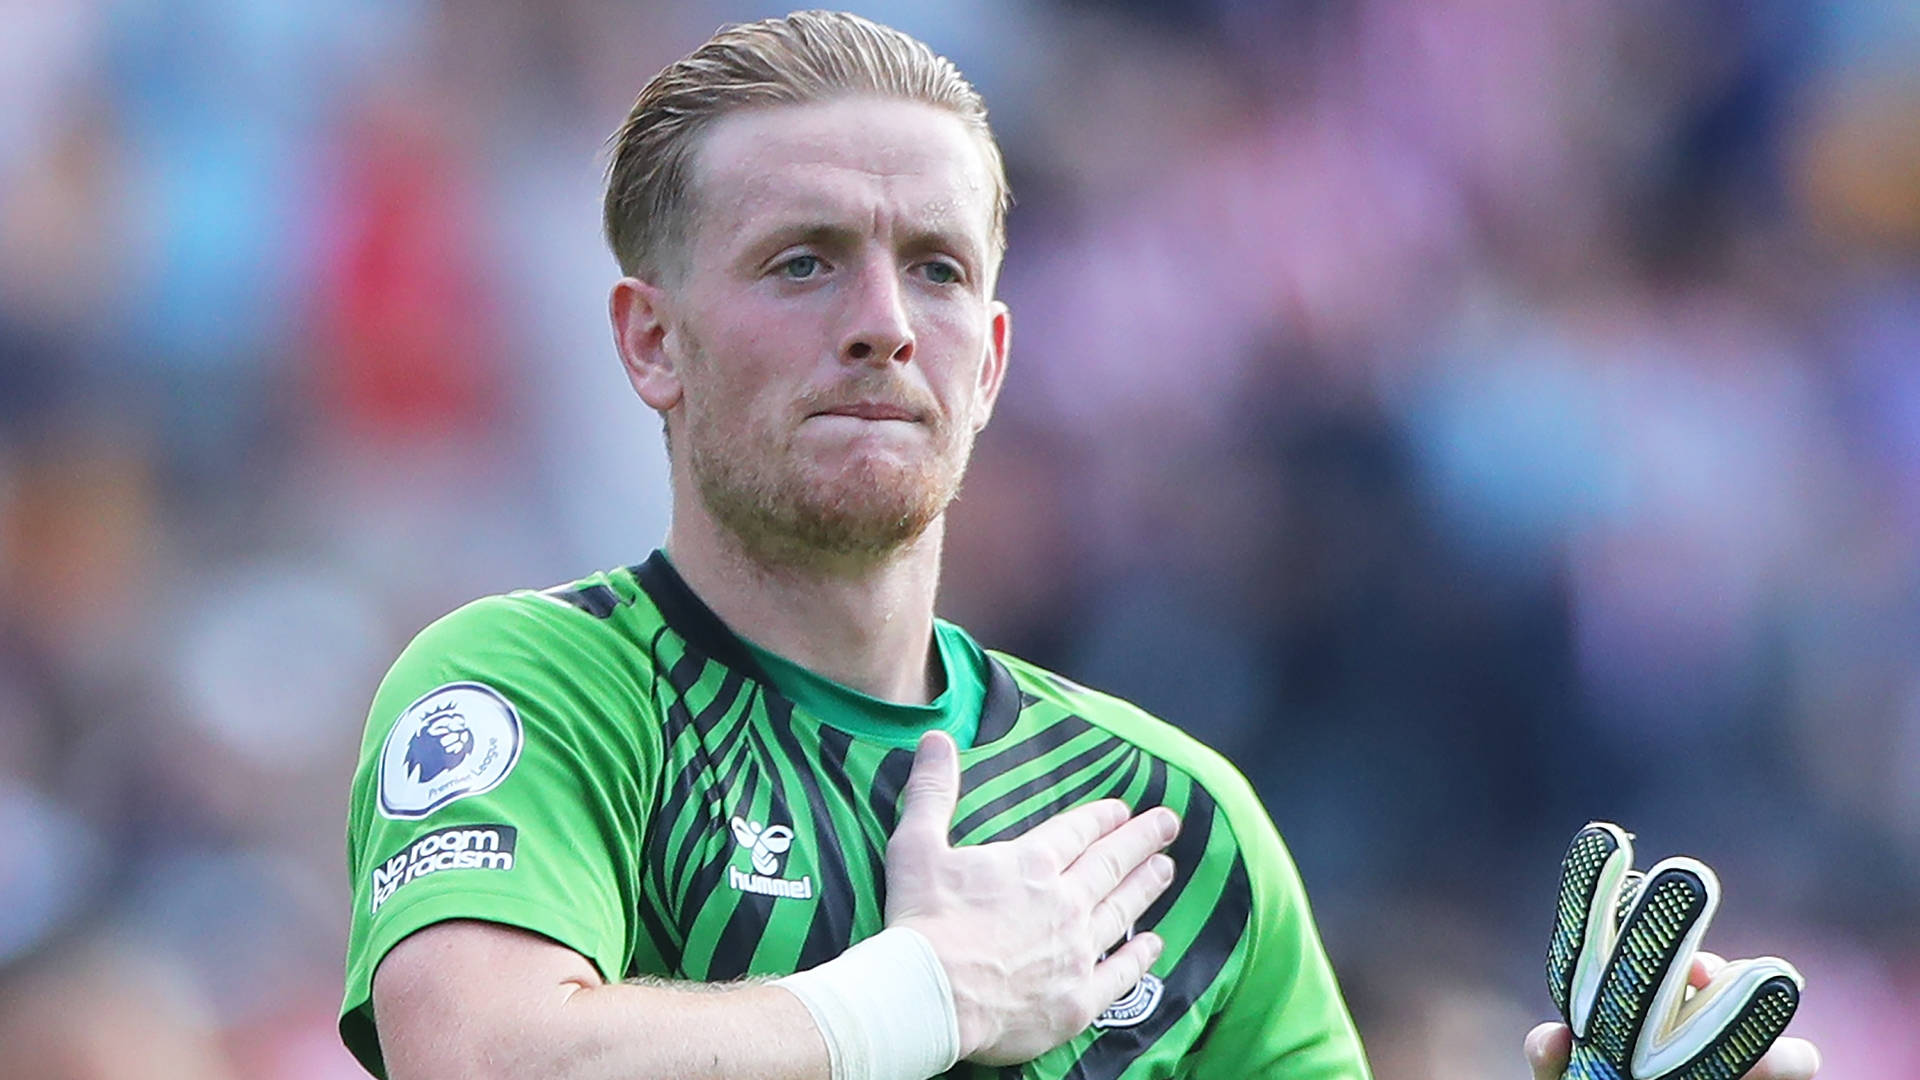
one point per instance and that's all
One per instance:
(866, 623)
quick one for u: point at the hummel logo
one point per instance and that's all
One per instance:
(766, 843)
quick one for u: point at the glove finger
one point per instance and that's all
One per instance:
(1599, 857)
(1648, 971)
(1738, 1018)
(1585, 1064)
(1629, 892)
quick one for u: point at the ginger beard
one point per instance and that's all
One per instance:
(788, 501)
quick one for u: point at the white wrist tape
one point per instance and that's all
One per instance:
(885, 1008)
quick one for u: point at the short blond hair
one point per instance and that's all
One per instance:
(806, 57)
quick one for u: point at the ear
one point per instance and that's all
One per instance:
(993, 368)
(640, 333)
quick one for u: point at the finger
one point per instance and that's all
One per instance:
(1111, 858)
(1705, 966)
(1120, 972)
(1592, 872)
(1731, 1022)
(932, 791)
(1062, 837)
(1790, 1059)
(1662, 930)
(1116, 914)
(1548, 1047)
(1629, 892)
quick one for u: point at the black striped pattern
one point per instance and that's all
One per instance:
(734, 748)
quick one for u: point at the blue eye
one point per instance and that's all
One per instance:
(800, 267)
(942, 273)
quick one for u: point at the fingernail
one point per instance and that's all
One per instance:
(1162, 868)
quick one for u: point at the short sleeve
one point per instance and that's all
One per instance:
(1286, 1018)
(508, 755)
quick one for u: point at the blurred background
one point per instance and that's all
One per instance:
(1473, 416)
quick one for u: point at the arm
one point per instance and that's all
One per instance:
(1286, 1017)
(481, 1000)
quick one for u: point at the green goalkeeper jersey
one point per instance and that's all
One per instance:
(608, 765)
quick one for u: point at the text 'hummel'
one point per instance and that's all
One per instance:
(766, 844)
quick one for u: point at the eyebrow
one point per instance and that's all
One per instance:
(829, 234)
(955, 242)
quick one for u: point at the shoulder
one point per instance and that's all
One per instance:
(1130, 723)
(519, 670)
(596, 616)
(552, 656)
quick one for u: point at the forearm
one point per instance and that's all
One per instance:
(480, 1001)
(622, 1032)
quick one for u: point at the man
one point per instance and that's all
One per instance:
(587, 817)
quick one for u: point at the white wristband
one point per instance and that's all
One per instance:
(884, 1007)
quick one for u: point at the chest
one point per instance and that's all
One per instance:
(764, 851)
(764, 846)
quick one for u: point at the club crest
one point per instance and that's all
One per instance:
(1137, 1004)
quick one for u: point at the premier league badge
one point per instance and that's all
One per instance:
(459, 740)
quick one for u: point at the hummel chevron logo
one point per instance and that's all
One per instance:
(767, 844)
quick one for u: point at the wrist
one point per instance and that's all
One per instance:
(884, 1008)
(977, 1026)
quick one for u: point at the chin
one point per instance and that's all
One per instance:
(864, 500)
(873, 508)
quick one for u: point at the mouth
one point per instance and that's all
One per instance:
(872, 410)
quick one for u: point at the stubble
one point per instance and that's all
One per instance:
(785, 507)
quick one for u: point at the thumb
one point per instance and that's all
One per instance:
(933, 790)
(1548, 1047)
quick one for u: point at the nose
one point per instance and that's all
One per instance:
(879, 331)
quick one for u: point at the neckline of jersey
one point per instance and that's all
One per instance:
(956, 710)
(981, 715)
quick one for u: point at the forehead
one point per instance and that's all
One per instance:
(862, 158)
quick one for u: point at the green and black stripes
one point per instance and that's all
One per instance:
(736, 751)
(679, 815)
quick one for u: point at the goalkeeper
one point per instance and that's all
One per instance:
(590, 822)
(747, 809)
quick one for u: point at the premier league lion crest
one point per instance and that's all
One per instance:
(444, 742)
(458, 740)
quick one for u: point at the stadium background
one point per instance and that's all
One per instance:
(1474, 416)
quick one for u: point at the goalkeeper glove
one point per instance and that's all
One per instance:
(1623, 946)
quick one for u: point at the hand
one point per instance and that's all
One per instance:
(1020, 925)
(1641, 1003)
(1549, 1045)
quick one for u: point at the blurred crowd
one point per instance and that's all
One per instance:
(1473, 416)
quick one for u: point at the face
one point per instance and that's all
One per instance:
(833, 344)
